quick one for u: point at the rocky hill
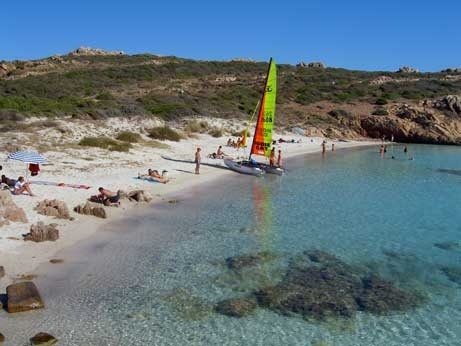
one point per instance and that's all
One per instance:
(92, 83)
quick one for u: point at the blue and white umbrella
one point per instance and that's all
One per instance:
(27, 157)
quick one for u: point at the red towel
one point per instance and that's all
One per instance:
(34, 168)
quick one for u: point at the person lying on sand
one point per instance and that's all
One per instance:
(22, 186)
(109, 197)
(8, 181)
(154, 175)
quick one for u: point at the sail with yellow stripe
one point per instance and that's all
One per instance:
(262, 139)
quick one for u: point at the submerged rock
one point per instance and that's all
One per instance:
(380, 297)
(187, 306)
(248, 260)
(23, 296)
(41, 232)
(43, 339)
(449, 245)
(238, 307)
(453, 274)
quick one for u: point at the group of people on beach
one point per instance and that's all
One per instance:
(17, 186)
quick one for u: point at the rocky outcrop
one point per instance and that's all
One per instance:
(314, 64)
(43, 339)
(23, 296)
(9, 210)
(449, 103)
(41, 232)
(93, 209)
(407, 69)
(94, 51)
(239, 307)
(138, 196)
(54, 208)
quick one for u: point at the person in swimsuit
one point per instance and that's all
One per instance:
(198, 159)
(272, 157)
(109, 197)
(22, 186)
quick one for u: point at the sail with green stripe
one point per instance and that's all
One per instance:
(262, 139)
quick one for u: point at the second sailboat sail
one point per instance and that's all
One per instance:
(262, 139)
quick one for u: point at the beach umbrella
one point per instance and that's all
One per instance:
(27, 157)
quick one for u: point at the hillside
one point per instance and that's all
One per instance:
(416, 107)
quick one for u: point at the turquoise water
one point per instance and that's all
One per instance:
(155, 278)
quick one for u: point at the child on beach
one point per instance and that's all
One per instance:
(197, 160)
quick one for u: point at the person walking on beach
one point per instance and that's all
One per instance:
(279, 159)
(405, 149)
(198, 159)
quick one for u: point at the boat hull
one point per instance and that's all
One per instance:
(240, 168)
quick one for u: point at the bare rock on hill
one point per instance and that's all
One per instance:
(93, 209)
(53, 207)
(23, 296)
(9, 210)
(314, 64)
(407, 69)
(43, 339)
(41, 232)
(94, 51)
(139, 196)
(451, 103)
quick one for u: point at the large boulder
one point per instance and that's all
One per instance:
(54, 208)
(139, 196)
(239, 307)
(23, 296)
(93, 209)
(41, 232)
(43, 339)
(9, 210)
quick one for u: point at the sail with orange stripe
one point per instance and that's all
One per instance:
(262, 139)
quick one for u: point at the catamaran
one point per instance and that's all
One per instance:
(262, 139)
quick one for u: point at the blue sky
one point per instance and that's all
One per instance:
(370, 35)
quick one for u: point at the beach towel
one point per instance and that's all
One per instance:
(51, 183)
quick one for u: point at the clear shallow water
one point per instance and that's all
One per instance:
(153, 279)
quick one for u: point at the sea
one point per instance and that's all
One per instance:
(158, 276)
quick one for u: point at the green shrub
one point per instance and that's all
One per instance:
(216, 132)
(130, 137)
(194, 126)
(380, 111)
(381, 101)
(105, 143)
(164, 133)
(340, 113)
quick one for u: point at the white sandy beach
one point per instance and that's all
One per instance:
(68, 163)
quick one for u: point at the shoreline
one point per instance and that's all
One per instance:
(27, 257)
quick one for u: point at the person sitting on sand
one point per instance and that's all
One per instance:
(7, 181)
(219, 153)
(22, 186)
(109, 197)
(229, 142)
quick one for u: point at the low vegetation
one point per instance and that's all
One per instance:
(216, 132)
(164, 133)
(129, 137)
(105, 143)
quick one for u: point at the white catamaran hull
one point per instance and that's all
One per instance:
(236, 166)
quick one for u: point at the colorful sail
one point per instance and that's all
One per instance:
(262, 139)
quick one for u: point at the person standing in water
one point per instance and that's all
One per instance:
(332, 147)
(405, 149)
(279, 159)
(324, 147)
(198, 159)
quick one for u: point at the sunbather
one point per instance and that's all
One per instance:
(109, 197)
(8, 181)
(154, 175)
(22, 186)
